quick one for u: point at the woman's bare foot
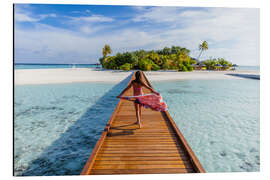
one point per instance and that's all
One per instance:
(140, 125)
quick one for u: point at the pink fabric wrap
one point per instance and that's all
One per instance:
(152, 101)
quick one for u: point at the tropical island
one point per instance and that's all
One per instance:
(174, 58)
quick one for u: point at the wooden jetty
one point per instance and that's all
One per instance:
(157, 148)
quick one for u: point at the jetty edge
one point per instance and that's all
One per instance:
(158, 147)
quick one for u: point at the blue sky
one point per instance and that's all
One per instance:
(77, 33)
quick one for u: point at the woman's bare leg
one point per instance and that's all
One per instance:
(138, 114)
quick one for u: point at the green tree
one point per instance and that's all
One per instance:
(210, 64)
(166, 51)
(165, 62)
(106, 50)
(202, 47)
(126, 67)
(175, 49)
(225, 64)
(101, 60)
(174, 58)
(110, 63)
(145, 64)
(155, 58)
(185, 50)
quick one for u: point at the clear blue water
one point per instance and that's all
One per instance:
(255, 68)
(220, 120)
(57, 126)
(53, 66)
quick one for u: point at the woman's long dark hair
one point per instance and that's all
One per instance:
(138, 77)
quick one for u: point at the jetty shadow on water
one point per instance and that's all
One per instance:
(248, 76)
(68, 154)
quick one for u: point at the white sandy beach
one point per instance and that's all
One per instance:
(56, 76)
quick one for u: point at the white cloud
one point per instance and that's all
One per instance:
(157, 14)
(87, 11)
(92, 18)
(49, 44)
(25, 16)
(43, 16)
(21, 17)
(89, 29)
(231, 33)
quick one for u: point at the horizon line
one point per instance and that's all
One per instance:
(85, 64)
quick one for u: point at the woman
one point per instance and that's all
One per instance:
(137, 85)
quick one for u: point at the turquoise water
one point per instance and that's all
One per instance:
(254, 68)
(53, 66)
(219, 119)
(57, 126)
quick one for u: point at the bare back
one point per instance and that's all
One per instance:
(137, 89)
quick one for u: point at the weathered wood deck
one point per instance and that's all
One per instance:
(157, 148)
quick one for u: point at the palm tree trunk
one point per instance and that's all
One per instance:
(200, 55)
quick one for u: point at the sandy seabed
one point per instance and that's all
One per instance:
(57, 76)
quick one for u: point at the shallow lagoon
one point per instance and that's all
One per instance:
(57, 126)
(219, 119)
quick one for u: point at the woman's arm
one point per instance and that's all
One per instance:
(129, 86)
(151, 89)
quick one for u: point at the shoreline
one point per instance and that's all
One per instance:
(83, 75)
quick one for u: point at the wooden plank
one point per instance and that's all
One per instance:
(131, 113)
(143, 131)
(136, 127)
(130, 121)
(143, 162)
(141, 171)
(134, 151)
(118, 141)
(139, 158)
(114, 135)
(145, 146)
(126, 137)
(151, 116)
(159, 124)
(111, 132)
(142, 154)
(140, 166)
(141, 140)
(137, 147)
(140, 143)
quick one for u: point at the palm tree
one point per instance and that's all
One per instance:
(106, 50)
(202, 47)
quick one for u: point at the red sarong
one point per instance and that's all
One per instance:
(152, 101)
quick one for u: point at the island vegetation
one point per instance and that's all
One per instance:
(174, 58)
